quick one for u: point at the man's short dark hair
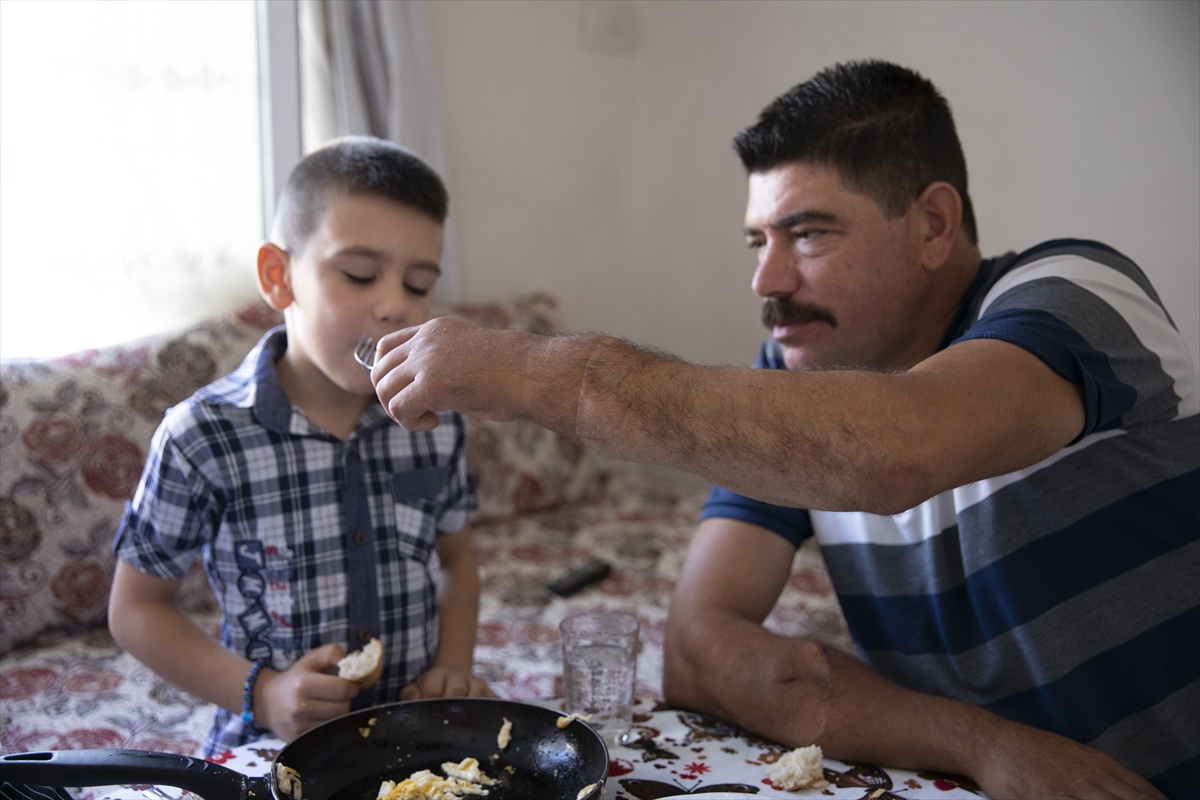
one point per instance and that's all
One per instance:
(887, 132)
(354, 165)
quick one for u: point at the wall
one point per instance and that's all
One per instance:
(609, 180)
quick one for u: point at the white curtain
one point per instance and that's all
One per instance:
(366, 69)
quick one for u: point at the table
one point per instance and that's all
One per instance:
(674, 752)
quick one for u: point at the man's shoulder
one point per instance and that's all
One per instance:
(1065, 256)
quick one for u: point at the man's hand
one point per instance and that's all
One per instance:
(303, 696)
(1012, 760)
(442, 682)
(450, 365)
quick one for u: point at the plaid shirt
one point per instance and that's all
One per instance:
(289, 519)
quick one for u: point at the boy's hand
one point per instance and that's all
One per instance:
(304, 695)
(443, 682)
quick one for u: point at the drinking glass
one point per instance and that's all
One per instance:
(599, 667)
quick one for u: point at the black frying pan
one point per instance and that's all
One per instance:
(336, 762)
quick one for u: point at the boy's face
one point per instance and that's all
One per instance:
(367, 270)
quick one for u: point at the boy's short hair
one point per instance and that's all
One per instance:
(354, 165)
(887, 131)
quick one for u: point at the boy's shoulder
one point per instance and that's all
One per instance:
(225, 405)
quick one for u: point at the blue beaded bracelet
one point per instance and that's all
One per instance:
(248, 691)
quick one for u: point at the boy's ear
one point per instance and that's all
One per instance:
(274, 278)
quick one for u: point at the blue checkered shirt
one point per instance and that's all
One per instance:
(289, 518)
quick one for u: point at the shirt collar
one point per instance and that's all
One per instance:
(270, 402)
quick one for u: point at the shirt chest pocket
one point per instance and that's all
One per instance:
(415, 506)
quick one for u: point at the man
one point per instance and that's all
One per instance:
(999, 460)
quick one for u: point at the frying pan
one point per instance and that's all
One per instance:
(337, 762)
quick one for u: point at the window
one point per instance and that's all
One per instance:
(130, 168)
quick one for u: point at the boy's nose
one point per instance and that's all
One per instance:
(393, 307)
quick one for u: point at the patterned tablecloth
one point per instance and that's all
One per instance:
(679, 752)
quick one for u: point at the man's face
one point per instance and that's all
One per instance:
(367, 270)
(841, 284)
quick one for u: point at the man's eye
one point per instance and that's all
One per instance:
(419, 292)
(755, 245)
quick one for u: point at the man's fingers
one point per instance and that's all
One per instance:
(426, 422)
(391, 341)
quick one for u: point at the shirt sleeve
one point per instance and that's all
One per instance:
(458, 498)
(172, 514)
(1090, 315)
(792, 524)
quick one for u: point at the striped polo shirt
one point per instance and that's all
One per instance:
(1065, 595)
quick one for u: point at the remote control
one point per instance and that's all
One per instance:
(576, 579)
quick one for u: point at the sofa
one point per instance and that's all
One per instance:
(74, 432)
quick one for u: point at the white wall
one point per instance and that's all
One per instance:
(610, 182)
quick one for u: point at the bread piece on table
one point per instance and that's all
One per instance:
(799, 769)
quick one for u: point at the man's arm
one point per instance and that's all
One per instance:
(718, 659)
(833, 440)
(146, 622)
(458, 617)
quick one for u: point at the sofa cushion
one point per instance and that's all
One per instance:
(74, 433)
(73, 437)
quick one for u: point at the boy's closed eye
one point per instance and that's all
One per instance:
(420, 278)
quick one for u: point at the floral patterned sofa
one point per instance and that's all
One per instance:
(73, 437)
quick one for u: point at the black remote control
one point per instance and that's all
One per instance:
(576, 579)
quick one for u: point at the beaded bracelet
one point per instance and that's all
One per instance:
(248, 691)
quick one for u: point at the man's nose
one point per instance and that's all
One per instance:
(778, 274)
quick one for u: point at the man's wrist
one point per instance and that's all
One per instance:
(556, 368)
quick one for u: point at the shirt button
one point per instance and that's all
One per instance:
(360, 538)
(364, 635)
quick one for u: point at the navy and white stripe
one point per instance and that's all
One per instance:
(1065, 595)
(307, 539)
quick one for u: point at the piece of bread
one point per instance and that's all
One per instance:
(363, 666)
(799, 769)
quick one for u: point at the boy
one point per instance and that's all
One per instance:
(317, 516)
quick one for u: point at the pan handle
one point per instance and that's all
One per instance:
(108, 767)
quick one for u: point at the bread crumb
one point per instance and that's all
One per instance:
(799, 769)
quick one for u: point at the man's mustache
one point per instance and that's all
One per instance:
(777, 311)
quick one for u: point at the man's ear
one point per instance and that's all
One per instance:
(274, 275)
(939, 209)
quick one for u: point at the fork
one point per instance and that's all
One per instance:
(364, 352)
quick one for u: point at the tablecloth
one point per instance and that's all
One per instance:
(671, 752)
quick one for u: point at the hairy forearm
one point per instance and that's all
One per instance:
(822, 440)
(834, 440)
(805, 693)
